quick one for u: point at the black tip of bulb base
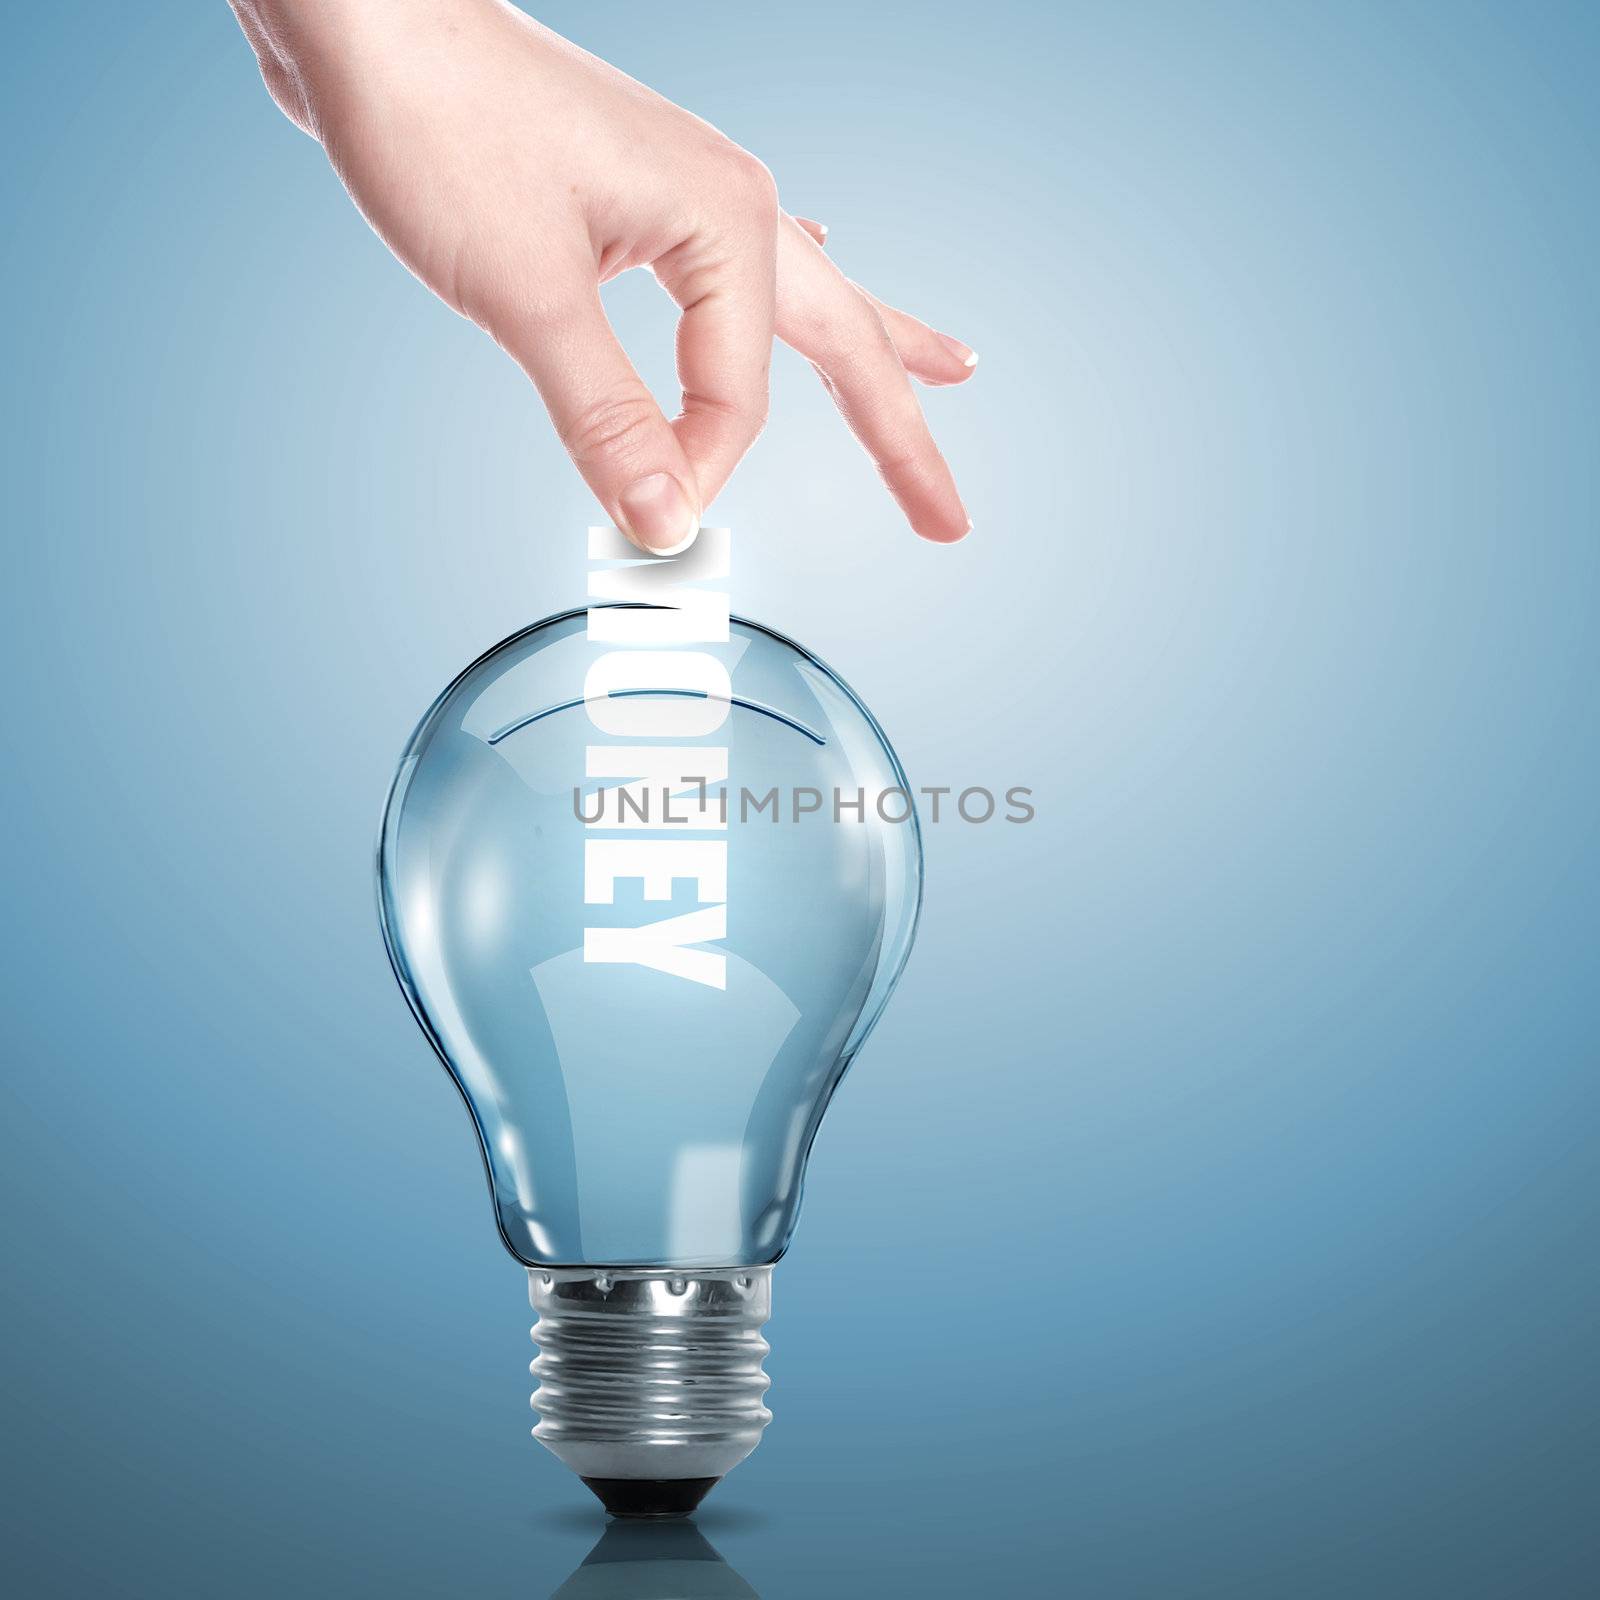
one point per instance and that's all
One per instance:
(650, 1497)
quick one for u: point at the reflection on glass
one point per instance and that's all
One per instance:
(669, 1560)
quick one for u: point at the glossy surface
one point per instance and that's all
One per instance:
(647, 1111)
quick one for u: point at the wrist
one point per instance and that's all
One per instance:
(311, 50)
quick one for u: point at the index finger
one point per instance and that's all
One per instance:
(724, 283)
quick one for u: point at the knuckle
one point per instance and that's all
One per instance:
(609, 427)
(899, 458)
(752, 183)
(850, 335)
(743, 418)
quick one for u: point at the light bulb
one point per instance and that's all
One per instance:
(646, 893)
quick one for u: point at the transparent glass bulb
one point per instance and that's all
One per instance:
(647, 926)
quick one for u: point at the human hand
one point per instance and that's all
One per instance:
(514, 173)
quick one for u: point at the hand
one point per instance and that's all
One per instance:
(514, 173)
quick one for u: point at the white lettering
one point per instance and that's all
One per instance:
(657, 690)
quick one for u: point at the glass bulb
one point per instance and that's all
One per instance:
(646, 903)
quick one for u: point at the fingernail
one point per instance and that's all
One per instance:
(658, 514)
(965, 354)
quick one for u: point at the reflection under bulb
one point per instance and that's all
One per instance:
(654, 1561)
(646, 894)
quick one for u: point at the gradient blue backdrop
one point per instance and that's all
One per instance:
(1213, 1213)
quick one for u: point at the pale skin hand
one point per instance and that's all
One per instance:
(514, 173)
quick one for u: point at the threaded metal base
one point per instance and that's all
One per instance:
(649, 1374)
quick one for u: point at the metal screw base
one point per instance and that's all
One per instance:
(650, 1377)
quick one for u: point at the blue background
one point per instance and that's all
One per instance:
(1213, 1213)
